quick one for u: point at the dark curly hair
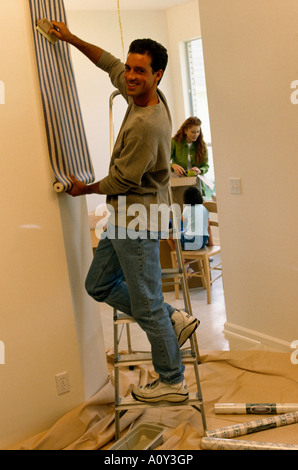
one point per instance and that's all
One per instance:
(156, 51)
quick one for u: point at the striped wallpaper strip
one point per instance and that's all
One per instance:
(68, 148)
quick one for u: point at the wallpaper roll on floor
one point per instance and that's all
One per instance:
(211, 443)
(254, 426)
(68, 148)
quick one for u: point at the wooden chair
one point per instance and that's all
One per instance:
(199, 260)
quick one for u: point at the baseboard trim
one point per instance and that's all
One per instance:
(256, 337)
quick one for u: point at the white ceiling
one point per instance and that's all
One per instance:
(124, 4)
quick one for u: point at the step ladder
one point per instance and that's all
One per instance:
(189, 354)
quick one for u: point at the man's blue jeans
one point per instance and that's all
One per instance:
(126, 274)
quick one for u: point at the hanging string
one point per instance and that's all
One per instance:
(121, 30)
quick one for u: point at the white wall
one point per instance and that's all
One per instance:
(86, 311)
(251, 54)
(41, 335)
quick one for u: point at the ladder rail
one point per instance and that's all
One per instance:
(181, 266)
(111, 118)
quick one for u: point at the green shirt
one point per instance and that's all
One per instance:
(179, 155)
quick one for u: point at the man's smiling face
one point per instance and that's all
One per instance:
(141, 81)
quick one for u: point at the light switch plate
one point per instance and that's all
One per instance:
(235, 185)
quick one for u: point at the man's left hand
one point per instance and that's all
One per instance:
(78, 188)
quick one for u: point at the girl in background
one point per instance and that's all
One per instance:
(189, 150)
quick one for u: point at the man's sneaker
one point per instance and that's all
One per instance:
(159, 391)
(184, 325)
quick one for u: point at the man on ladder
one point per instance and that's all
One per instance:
(125, 272)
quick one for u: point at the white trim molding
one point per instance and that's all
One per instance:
(256, 337)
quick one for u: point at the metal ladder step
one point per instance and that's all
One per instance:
(169, 273)
(129, 403)
(137, 358)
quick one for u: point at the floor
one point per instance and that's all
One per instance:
(210, 334)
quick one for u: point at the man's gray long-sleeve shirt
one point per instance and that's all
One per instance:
(140, 163)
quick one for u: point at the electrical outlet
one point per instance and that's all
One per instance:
(235, 185)
(62, 382)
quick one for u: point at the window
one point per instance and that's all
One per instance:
(197, 93)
